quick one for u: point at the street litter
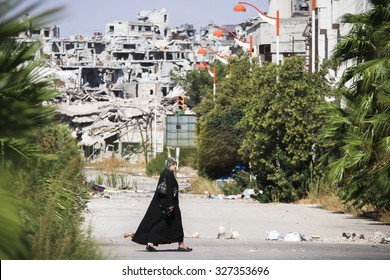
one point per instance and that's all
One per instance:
(234, 235)
(128, 234)
(221, 232)
(98, 188)
(290, 236)
(377, 237)
(272, 235)
(381, 237)
(246, 194)
(195, 235)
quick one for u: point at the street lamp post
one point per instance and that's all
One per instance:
(203, 66)
(203, 50)
(156, 88)
(218, 33)
(313, 36)
(271, 20)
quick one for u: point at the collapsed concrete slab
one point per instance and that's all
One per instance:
(115, 89)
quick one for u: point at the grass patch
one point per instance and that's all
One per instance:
(203, 186)
(115, 165)
(328, 201)
(326, 196)
(384, 217)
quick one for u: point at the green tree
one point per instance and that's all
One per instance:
(359, 162)
(22, 91)
(281, 125)
(217, 134)
(199, 84)
(23, 87)
(58, 196)
(41, 193)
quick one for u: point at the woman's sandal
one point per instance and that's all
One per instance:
(186, 249)
(150, 248)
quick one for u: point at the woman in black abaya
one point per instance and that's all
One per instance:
(162, 221)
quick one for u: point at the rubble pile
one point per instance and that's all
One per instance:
(115, 89)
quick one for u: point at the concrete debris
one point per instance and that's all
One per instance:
(221, 232)
(127, 234)
(348, 235)
(378, 237)
(381, 237)
(234, 235)
(352, 235)
(315, 237)
(115, 89)
(195, 235)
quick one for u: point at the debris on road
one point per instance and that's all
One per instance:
(246, 194)
(126, 235)
(221, 232)
(234, 235)
(290, 236)
(195, 235)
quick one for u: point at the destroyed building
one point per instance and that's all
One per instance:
(115, 88)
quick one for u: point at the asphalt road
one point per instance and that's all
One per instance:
(120, 212)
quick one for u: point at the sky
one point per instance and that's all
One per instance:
(84, 17)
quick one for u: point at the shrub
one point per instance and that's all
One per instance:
(156, 165)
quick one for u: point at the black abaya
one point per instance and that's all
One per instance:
(156, 227)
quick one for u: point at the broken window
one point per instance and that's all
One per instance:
(164, 91)
(111, 29)
(120, 56)
(169, 56)
(99, 48)
(35, 34)
(157, 55)
(55, 48)
(79, 45)
(301, 5)
(69, 46)
(139, 56)
(129, 46)
(265, 50)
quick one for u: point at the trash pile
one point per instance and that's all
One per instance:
(289, 236)
(246, 194)
(378, 237)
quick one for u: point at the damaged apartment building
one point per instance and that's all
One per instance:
(115, 88)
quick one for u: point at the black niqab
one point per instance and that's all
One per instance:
(157, 227)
